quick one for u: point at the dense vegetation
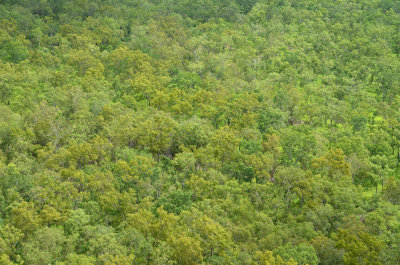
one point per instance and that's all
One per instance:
(199, 132)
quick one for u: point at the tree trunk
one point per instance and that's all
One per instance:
(398, 156)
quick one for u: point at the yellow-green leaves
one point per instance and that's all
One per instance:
(24, 217)
(333, 164)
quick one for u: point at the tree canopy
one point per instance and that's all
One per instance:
(199, 132)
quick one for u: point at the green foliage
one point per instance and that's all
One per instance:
(359, 246)
(199, 132)
(175, 202)
(302, 253)
(46, 246)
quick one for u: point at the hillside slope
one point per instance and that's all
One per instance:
(199, 132)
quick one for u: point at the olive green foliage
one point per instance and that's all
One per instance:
(199, 132)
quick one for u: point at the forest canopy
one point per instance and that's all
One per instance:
(199, 132)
